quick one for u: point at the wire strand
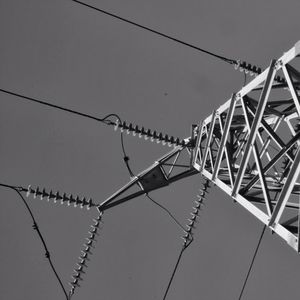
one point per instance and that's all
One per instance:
(36, 227)
(167, 211)
(252, 262)
(173, 273)
(104, 120)
(125, 156)
(228, 60)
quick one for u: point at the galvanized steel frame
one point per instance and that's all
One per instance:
(221, 146)
(257, 187)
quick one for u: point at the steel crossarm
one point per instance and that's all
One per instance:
(161, 173)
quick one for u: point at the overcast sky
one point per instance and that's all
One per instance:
(69, 55)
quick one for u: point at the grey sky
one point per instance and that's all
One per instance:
(75, 57)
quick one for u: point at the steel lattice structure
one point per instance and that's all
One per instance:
(248, 147)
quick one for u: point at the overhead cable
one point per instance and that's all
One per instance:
(118, 124)
(252, 262)
(104, 120)
(36, 227)
(239, 64)
(166, 210)
(228, 60)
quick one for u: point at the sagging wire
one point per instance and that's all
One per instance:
(79, 270)
(36, 227)
(188, 236)
(126, 157)
(166, 210)
(59, 198)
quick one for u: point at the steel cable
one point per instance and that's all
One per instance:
(238, 64)
(252, 262)
(228, 60)
(104, 120)
(36, 227)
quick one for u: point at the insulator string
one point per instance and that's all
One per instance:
(188, 236)
(253, 70)
(148, 133)
(58, 197)
(85, 253)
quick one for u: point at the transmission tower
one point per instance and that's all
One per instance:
(248, 147)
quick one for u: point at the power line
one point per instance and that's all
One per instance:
(228, 60)
(36, 227)
(242, 65)
(167, 211)
(173, 273)
(104, 120)
(252, 262)
(125, 156)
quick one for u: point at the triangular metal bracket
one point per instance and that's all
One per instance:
(153, 178)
